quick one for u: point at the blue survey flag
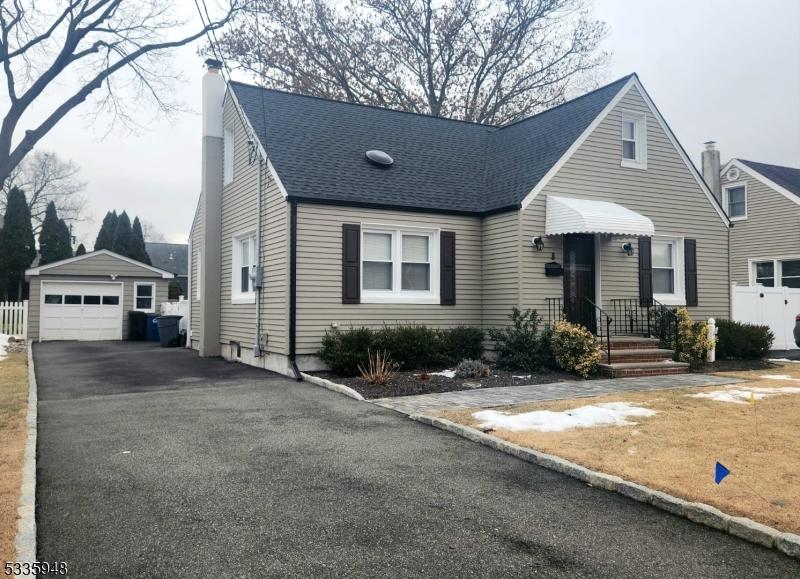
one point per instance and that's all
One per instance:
(720, 472)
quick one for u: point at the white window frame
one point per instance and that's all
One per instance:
(777, 268)
(136, 286)
(678, 297)
(397, 295)
(639, 121)
(228, 148)
(726, 201)
(237, 262)
(780, 269)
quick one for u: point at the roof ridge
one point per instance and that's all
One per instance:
(747, 161)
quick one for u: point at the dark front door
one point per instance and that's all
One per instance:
(579, 279)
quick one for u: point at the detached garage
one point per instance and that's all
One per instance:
(88, 297)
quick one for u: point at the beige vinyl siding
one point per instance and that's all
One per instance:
(319, 274)
(196, 314)
(239, 208)
(501, 267)
(35, 297)
(666, 192)
(102, 265)
(771, 230)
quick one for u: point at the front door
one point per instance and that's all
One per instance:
(579, 280)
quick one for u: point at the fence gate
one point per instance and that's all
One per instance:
(14, 318)
(775, 307)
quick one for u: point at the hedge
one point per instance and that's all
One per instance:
(738, 341)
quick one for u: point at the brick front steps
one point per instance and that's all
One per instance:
(634, 356)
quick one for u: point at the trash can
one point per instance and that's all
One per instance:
(168, 330)
(151, 333)
(137, 326)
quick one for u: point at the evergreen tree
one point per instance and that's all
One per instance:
(138, 242)
(17, 246)
(81, 250)
(54, 238)
(105, 237)
(123, 237)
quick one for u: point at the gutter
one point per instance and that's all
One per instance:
(293, 290)
(258, 274)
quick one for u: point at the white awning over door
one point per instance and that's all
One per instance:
(569, 215)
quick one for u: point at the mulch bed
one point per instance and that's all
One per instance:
(409, 383)
(736, 366)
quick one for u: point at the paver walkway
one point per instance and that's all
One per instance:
(426, 403)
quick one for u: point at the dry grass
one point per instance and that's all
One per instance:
(675, 451)
(13, 397)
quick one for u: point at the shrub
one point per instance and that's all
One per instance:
(459, 343)
(472, 369)
(575, 348)
(410, 346)
(174, 290)
(344, 350)
(738, 341)
(521, 346)
(693, 340)
(379, 369)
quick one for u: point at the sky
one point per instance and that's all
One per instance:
(723, 70)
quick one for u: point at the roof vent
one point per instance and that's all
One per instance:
(379, 158)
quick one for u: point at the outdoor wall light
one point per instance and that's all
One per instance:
(538, 243)
(628, 248)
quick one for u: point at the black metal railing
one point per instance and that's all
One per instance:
(555, 310)
(601, 322)
(665, 327)
(633, 318)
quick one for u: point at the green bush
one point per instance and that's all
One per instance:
(738, 341)
(472, 369)
(575, 348)
(522, 346)
(411, 346)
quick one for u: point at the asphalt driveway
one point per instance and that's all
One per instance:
(154, 462)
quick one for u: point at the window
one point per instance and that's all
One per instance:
(765, 273)
(634, 140)
(790, 273)
(735, 200)
(52, 299)
(244, 262)
(399, 265)
(144, 296)
(110, 300)
(91, 300)
(72, 300)
(668, 274)
(227, 152)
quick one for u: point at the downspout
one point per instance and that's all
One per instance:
(293, 290)
(258, 274)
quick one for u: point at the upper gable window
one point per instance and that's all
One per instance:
(735, 199)
(634, 140)
(227, 151)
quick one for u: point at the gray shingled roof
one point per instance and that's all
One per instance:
(317, 147)
(786, 177)
(171, 257)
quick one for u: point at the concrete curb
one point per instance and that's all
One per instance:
(25, 542)
(741, 527)
(340, 388)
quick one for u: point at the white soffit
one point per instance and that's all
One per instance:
(568, 215)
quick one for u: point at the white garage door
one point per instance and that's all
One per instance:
(81, 311)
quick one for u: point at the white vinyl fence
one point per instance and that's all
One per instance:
(14, 318)
(775, 307)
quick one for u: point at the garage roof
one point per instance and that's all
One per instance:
(34, 271)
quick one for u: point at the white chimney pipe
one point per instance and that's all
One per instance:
(213, 96)
(711, 168)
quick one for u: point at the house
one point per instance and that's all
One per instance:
(763, 202)
(88, 297)
(316, 214)
(171, 257)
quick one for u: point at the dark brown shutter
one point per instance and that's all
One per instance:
(351, 263)
(447, 266)
(690, 259)
(645, 272)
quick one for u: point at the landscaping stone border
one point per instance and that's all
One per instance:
(340, 388)
(25, 542)
(702, 513)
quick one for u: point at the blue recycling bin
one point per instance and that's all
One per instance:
(151, 334)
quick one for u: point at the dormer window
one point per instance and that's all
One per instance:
(634, 140)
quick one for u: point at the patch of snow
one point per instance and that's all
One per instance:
(779, 377)
(526, 377)
(3, 344)
(784, 360)
(607, 414)
(742, 395)
(445, 373)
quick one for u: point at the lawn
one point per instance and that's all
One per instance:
(676, 449)
(13, 404)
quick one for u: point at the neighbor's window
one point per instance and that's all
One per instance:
(227, 152)
(144, 297)
(663, 267)
(399, 265)
(765, 273)
(737, 201)
(634, 139)
(790, 273)
(244, 261)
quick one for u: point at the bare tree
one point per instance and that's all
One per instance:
(150, 232)
(115, 45)
(489, 61)
(44, 177)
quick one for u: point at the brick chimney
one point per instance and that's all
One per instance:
(711, 167)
